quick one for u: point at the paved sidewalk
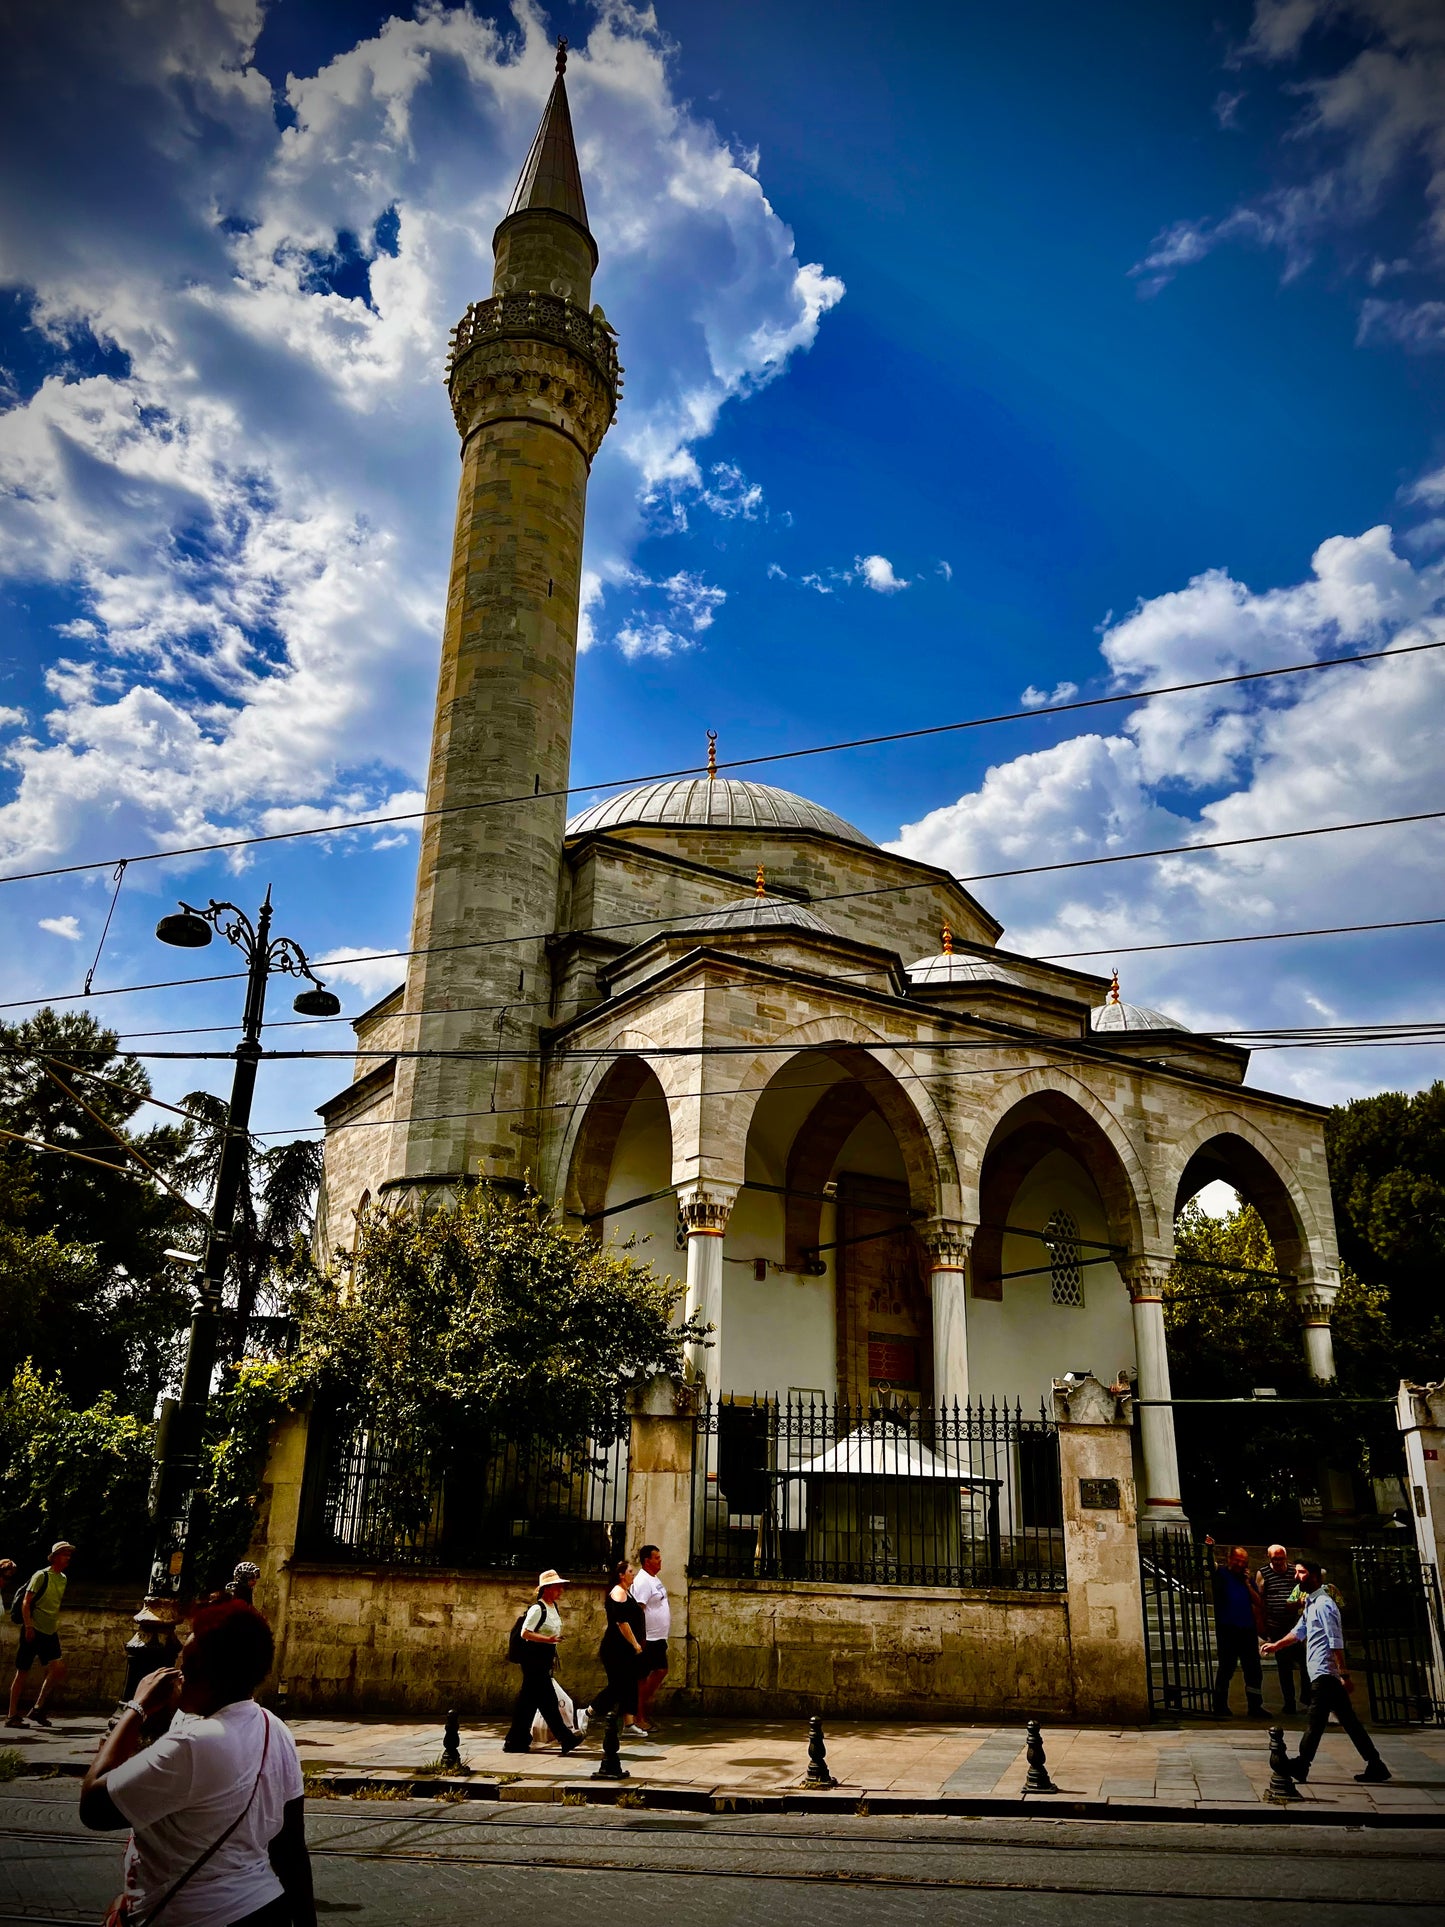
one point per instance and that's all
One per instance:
(1202, 1768)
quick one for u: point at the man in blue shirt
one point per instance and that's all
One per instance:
(1236, 1627)
(1322, 1636)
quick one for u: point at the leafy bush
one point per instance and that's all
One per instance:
(81, 1475)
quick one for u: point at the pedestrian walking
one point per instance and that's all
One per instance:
(621, 1651)
(1280, 1610)
(650, 1593)
(1322, 1635)
(216, 1804)
(1237, 1626)
(39, 1619)
(535, 1651)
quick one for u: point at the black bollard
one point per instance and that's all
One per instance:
(452, 1744)
(1281, 1786)
(1036, 1780)
(818, 1774)
(611, 1767)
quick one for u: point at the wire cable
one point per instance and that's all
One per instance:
(834, 896)
(740, 762)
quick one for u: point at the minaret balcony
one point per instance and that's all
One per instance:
(528, 315)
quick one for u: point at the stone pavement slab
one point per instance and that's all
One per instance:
(1142, 1771)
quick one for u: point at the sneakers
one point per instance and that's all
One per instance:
(15, 1722)
(37, 1718)
(1375, 1773)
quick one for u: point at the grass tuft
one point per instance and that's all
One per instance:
(11, 1763)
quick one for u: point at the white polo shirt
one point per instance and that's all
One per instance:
(182, 1793)
(650, 1593)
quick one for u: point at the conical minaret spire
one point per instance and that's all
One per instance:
(534, 380)
(551, 177)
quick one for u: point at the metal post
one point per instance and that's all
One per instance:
(1036, 1780)
(1281, 1786)
(611, 1767)
(452, 1744)
(818, 1774)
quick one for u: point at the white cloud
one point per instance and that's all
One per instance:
(62, 927)
(877, 572)
(11, 718)
(355, 964)
(1062, 692)
(945, 569)
(1419, 325)
(1346, 745)
(1370, 125)
(256, 515)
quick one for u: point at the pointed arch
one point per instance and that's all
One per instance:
(1228, 1146)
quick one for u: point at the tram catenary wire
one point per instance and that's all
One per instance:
(739, 762)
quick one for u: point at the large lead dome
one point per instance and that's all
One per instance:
(716, 802)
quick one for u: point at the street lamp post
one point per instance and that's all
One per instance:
(181, 1434)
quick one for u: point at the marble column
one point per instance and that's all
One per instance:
(1315, 1299)
(947, 1243)
(705, 1208)
(1146, 1278)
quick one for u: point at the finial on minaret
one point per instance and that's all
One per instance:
(562, 53)
(1114, 996)
(947, 940)
(761, 888)
(712, 756)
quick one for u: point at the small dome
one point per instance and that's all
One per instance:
(1121, 1016)
(715, 802)
(760, 913)
(1117, 1015)
(950, 969)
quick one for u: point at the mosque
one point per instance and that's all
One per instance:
(895, 1161)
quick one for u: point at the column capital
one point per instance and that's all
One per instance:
(705, 1206)
(947, 1242)
(1314, 1298)
(1146, 1274)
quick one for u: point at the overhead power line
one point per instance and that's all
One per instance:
(741, 762)
(834, 896)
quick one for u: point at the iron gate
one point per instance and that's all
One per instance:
(1402, 1633)
(1178, 1580)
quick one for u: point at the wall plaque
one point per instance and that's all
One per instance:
(1099, 1495)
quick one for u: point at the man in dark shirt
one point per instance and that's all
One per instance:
(1275, 1583)
(1236, 1622)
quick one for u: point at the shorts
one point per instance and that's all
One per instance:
(654, 1656)
(45, 1647)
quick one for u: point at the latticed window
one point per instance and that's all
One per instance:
(1066, 1274)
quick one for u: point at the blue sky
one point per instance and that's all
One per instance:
(970, 352)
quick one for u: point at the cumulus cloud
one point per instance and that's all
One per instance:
(1346, 745)
(1062, 692)
(241, 466)
(1368, 124)
(877, 572)
(62, 927)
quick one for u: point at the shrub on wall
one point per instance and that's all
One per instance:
(68, 1473)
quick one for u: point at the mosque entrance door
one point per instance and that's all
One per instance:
(885, 1348)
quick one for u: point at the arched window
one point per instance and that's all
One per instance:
(1066, 1274)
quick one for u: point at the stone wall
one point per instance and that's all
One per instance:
(383, 1639)
(879, 1652)
(95, 1623)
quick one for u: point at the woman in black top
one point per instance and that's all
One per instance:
(621, 1649)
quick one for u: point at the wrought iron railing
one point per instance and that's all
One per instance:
(528, 313)
(805, 1488)
(1180, 1637)
(375, 1499)
(1402, 1630)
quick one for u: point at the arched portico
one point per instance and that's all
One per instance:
(1229, 1148)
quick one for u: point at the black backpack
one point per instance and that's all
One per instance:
(17, 1604)
(516, 1646)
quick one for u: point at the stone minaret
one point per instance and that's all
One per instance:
(533, 378)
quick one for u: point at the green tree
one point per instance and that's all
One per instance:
(1387, 1179)
(75, 1473)
(487, 1320)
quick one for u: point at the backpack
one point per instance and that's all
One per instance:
(516, 1646)
(17, 1604)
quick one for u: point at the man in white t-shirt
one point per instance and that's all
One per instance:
(216, 1807)
(650, 1593)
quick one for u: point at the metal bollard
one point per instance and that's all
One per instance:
(1281, 1786)
(611, 1767)
(818, 1774)
(452, 1746)
(1036, 1780)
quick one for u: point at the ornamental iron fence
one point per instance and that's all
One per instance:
(888, 1494)
(1402, 1631)
(1180, 1636)
(372, 1498)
